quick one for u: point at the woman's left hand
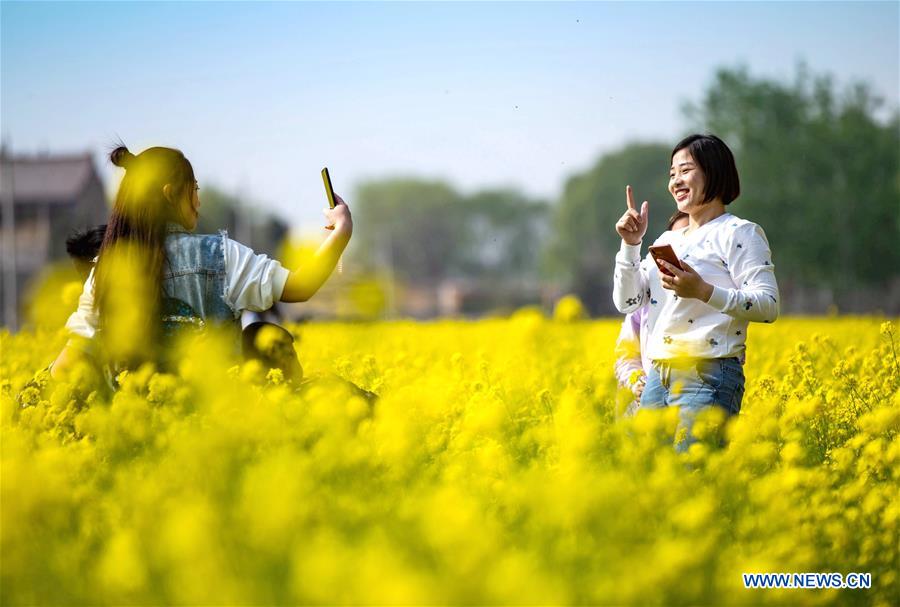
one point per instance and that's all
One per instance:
(686, 282)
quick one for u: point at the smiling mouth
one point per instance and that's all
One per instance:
(681, 194)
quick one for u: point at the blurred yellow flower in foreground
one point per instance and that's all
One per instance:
(491, 469)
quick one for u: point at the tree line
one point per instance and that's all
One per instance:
(820, 171)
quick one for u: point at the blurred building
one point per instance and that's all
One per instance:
(42, 198)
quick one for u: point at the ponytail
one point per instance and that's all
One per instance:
(128, 274)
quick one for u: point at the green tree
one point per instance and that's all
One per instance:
(820, 171)
(505, 231)
(426, 231)
(413, 225)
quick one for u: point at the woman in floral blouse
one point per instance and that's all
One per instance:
(698, 316)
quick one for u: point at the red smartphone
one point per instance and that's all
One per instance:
(665, 252)
(329, 191)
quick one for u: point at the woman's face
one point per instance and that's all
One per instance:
(687, 183)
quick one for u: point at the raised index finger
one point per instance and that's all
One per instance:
(629, 197)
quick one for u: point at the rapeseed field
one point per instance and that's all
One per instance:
(494, 468)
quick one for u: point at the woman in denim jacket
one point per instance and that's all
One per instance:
(173, 275)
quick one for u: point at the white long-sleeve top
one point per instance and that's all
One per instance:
(729, 253)
(252, 282)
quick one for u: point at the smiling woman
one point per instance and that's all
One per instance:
(698, 313)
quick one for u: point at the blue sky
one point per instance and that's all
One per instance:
(260, 96)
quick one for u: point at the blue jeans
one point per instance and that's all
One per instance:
(702, 384)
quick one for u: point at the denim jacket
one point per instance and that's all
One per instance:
(193, 280)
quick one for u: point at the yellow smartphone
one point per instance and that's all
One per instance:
(326, 177)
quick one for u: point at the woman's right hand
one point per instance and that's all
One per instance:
(637, 388)
(303, 283)
(339, 217)
(633, 225)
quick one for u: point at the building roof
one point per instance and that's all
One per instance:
(57, 178)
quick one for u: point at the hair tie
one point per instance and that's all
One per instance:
(121, 157)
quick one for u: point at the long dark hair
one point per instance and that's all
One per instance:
(136, 231)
